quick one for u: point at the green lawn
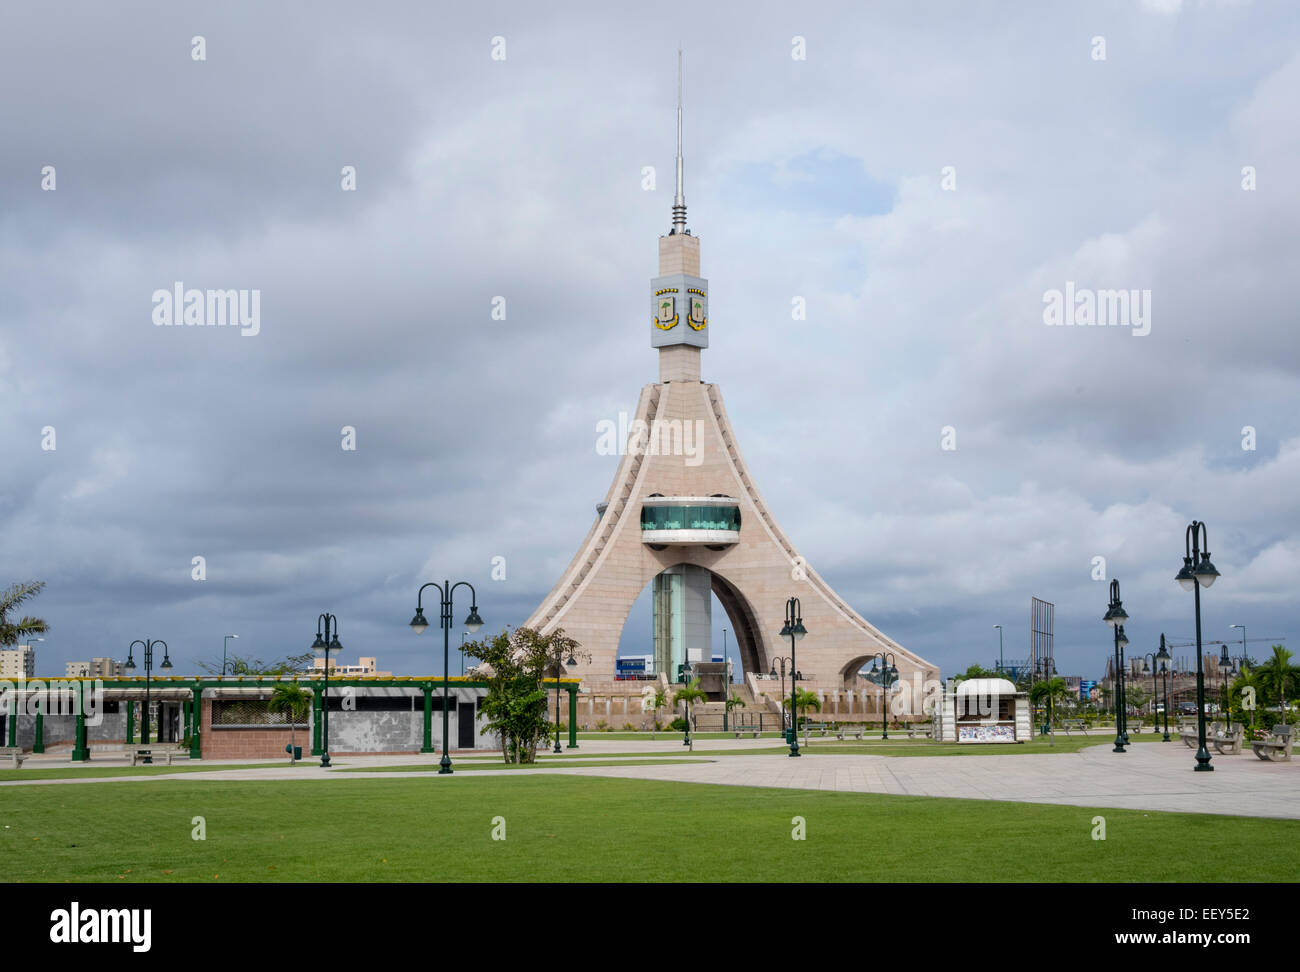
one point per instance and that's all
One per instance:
(563, 828)
(197, 766)
(460, 765)
(925, 747)
(876, 747)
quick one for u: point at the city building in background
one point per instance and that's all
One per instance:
(95, 668)
(17, 662)
(364, 666)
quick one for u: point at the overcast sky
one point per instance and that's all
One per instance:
(477, 177)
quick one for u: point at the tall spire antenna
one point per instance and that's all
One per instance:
(679, 199)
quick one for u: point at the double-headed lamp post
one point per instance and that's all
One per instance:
(1197, 572)
(779, 672)
(687, 669)
(1159, 664)
(1226, 669)
(794, 630)
(572, 663)
(147, 646)
(1243, 662)
(884, 678)
(446, 591)
(327, 640)
(1124, 677)
(1115, 617)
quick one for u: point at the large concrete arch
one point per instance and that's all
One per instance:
(754, 576)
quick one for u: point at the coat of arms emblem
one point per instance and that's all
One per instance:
(698, 317)
(666, 316)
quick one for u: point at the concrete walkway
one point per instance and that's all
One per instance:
(1151, 776)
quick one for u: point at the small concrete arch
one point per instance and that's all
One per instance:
(745, 627)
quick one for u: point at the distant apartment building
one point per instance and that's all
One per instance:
(95, 668)
(18, 662)
(367, 666)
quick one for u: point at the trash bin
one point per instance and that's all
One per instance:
(295, 751)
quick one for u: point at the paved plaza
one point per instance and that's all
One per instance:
(1150, 776)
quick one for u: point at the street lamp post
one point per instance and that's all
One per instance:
(147, 647)
(686, 669)
(446, 591)
(884, 677)
(1243, 662)
(225, 643)
(571, 662)
(726, 682)
(773, 674)
(1162, 656)
(1115, 617)
(1123, 663)
(1001, 663)
(1197, 572)
(1151, 664)
(325, 643)
(1045, 669)
(794, 630)
(1225, 671)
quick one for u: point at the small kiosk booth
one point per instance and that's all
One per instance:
(983, 710)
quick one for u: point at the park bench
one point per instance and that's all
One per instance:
(741, 730)
(156, 753)
(919, 728)
(1229, 742)
(14, 754)
(1277, 749)
(1070, 725)
(1188, 733)
(856, 733)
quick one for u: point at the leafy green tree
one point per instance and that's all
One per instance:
(293, 700)
(804, 700)
(248, 665)
(515, 664)
(684, 696)
(974, 671)
(14, 630)
(1137, 697)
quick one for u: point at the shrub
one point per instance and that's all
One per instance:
(678, 724)
(602, 726)
(628, 727)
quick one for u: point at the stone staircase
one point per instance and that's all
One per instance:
(708, 715)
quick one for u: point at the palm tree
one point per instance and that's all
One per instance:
(292, 700)
(1049, 692)
(804, 700)
(686, 695)
(1278, 677)
(734, 700)
(657, 701)
(12, 597)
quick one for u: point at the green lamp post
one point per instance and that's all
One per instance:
(446, 591)
(1198, 572)
(147, 647)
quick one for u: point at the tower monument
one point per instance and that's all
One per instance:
(683, 514)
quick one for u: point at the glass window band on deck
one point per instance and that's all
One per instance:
(690, 518)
